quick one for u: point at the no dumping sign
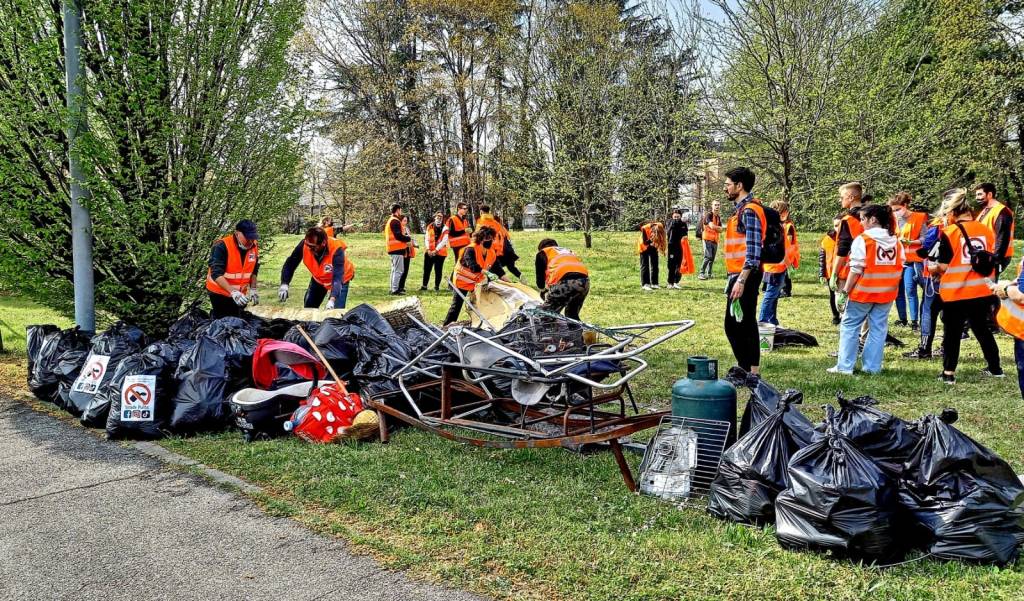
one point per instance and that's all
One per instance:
(138, 398)
(88, 381)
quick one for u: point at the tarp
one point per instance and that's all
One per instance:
(498, 300)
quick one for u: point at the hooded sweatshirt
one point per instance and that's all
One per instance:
(858, 250)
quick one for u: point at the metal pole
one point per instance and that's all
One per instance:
(81, 228)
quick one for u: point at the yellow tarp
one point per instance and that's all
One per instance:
(498, 300)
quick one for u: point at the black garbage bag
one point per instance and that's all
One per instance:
(882, 436)
(840, 500)
(34, 337)
(293, 336)
(47, 370)
(788, 337)
(967, 503)
(754, 471)
(765, 400)
(275, 328)
(69, 367)
(107, 350)
(191, 325)
(141, 392)
(219, 364)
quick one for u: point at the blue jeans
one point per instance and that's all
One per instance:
(1018, 355)
(770, 302)
(908, 291)
(877, 316)
(929, 292)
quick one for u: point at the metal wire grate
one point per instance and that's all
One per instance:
(682, 458)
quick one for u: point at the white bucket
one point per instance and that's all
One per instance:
(766, 336)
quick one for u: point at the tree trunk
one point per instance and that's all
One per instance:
(470, 192)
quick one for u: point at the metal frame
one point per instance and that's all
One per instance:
(574, 415)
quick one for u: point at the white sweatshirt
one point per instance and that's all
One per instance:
(858, 250)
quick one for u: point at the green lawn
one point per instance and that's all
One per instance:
(549, 524)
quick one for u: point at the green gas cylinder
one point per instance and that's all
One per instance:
(702, 395)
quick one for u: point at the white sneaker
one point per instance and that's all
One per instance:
(835, 370)
(654, 286)
(645, 287)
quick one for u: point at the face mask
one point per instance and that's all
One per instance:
(488, 243)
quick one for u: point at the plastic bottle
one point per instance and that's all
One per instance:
(296, 418)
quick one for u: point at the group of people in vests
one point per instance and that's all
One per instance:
(672, 240)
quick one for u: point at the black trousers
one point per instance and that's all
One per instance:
(787, 285)
(832, 303)
(569, 295)
(436, 264)
(509, 264)
(675, 259)
(649, 267)
(974, 312)
(456, 307)
(315, 294)
(405, 274)
(223, 306)
(742, 335)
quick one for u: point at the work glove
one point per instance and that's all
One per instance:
(282, 293)
(822, 280)
(254, 297)
(841, 298)
(491, 277)
(330, 304)
(240, 299)
(833, 282)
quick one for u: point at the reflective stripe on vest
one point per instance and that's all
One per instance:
(989, 220)
(710, 234)
(457, 223)
(736, 242)
(466, 279)
(882, 273)
(323, 272)
(561, 262)
(237, 272)
(856, 228)
(911, 231)
(393, 243)
(960, 281)
(1011, 318)
(432, 241)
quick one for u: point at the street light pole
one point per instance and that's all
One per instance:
(81, 226)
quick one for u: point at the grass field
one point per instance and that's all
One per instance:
(549, 524)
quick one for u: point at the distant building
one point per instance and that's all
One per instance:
(532, 217)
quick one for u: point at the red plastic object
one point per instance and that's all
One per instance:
(271, 356)
(327, 413)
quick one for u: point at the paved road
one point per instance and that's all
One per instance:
(81, 518)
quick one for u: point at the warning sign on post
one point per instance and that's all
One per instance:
(88, 381)
(138, 398)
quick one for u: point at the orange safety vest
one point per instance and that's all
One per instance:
(960, 281)
(464, 278)
(710, 234)
(323, 272)
(883, 271)
(828, 243)
(393, 243)
(792, 251)
(488, 220)
(988, 218)
(432, 236)
(238, 272)
(457, 223)
(911, 231)
(329, 230)
(856, 228)
(561, 262)
(736, 241)
(1011, 315)
(645, 230)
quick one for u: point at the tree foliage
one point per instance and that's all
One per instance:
(193, 109)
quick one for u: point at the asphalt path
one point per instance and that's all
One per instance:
(82, 518)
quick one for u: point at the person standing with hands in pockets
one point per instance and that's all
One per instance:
(744, 238)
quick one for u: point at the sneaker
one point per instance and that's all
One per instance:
(914, 327)
(422, 288)
(655, 286)
(939, 353)
(988, 373)
(918, 353)
(702, 277)
(835, 370)
(646, 287)
(947, 378)
(901, 322)
(834, 354)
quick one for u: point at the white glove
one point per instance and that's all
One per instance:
(330, 304)
(240, 299)
(254, 297)
(282, 293)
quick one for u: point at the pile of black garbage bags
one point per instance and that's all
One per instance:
(137, 388)
(867, 485)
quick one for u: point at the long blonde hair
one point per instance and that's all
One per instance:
(658, 238)
(955, 203)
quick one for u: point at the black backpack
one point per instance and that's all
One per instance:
(773, 249)
(983, 262)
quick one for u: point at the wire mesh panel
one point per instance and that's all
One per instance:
(539, 334)
(682, 458)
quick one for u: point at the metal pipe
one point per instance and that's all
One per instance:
(81, 226)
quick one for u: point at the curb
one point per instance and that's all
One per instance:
(172, 458)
